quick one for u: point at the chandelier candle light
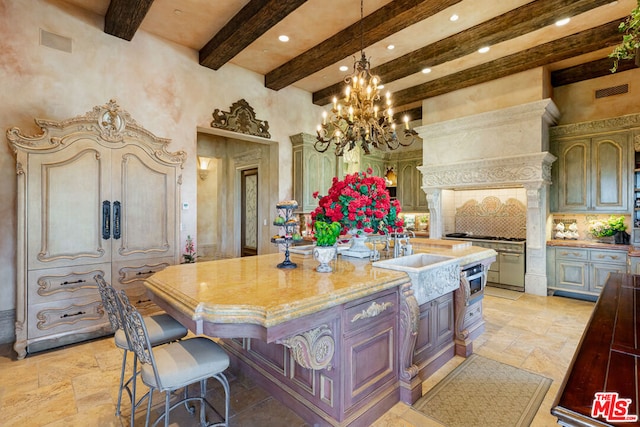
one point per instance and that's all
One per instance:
(361, 117)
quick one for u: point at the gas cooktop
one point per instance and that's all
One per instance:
(480, 237)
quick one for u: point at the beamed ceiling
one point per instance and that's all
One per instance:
(325, 34)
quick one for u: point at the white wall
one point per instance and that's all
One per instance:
(160, 84)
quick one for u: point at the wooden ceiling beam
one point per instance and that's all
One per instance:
(123, 17)
(380, 24)
(597, 38)
(517, 22)
(253, 20)
(590, 70)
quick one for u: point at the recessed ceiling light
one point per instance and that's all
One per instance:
(426, 70)
(484, 49)
(561, 22)
(283, 38)
(177, 12)
(454, 18)
(343, 68)
(391, 47)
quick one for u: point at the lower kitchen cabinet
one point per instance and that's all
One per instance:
(435, 330)
(582, 270)
(634, 265)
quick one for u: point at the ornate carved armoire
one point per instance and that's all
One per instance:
(97, 194)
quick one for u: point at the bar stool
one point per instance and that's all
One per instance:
(162, 329)
(170, 367)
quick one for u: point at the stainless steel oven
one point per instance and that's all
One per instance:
(475, 278)
(508, 270)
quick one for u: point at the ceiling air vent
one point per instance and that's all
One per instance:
(55, 41)
(613, 90)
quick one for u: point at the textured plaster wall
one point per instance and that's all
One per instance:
(578, 102)
(160, 84)
(521, 88)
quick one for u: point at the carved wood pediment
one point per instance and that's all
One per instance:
(107, 124)
(241, 118)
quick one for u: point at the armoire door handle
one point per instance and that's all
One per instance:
(116, 220)
(106, 219)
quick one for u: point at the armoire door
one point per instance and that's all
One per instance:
(144, 197)
(65, 195)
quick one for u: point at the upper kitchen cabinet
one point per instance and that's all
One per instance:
(410, 194)
(312, 171)
(408, 186)
(592, 173)
(97, 194)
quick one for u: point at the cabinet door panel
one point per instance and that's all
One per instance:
(407, 185)
(65, 196)
(601, 274)
(146, 192)
(572, 275)
(371, 362)
(444, 324)
(573, 176)
(609, 173)
(421, 197)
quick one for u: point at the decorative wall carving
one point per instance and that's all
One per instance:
(500, 172)
(596, 126)
(240, 118)
(312, 349)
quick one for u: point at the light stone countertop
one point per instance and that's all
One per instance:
(589, 244)
(252, 290)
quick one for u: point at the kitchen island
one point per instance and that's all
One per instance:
(337, 347)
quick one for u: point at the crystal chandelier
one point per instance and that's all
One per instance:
(362, 117)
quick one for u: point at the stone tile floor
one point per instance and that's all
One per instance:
(77, 385)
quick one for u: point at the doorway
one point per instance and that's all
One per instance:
(249, 212)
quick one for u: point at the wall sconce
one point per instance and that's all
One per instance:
(203, 167)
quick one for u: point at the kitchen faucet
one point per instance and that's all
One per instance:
(401, 245)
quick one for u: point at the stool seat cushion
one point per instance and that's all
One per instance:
(185, 362)
(162, 329)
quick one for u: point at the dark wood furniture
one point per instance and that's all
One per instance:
(607, 358)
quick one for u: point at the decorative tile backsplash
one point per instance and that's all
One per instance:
(492, 217)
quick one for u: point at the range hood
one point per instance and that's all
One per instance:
(499, 149)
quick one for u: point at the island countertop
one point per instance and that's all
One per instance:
(252, 290)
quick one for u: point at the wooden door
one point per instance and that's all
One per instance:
(65, 194)
(249, 216)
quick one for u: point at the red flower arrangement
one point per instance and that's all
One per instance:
(359, 201)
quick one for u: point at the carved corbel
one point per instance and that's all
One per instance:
(312, 349)
(409, 318)
(461, 302)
